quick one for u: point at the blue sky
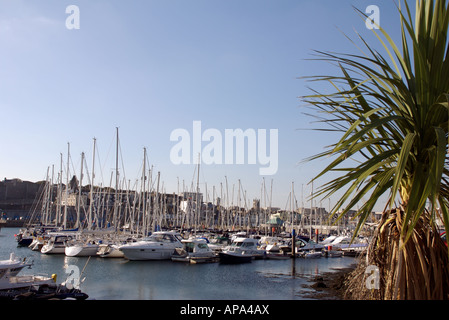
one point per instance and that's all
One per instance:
(150, 67)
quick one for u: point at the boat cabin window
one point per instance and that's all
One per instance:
(300, 243)
(243, 244)
(189, 246)
(162, 238)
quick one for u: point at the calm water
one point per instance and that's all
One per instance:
(120, 279)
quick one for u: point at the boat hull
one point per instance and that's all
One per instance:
(24, 241)
(159, 246)
(313, 255)
(147, 254)
(50, 249)
(278, 256)
(81, 250)
(231, 258)
(196, 260)
(181, 255)
(110, 251)
(18, 282)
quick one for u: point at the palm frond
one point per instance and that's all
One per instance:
(392, 112)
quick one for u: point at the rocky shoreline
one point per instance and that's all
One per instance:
(330, 285)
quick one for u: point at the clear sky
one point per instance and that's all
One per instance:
(150, 67)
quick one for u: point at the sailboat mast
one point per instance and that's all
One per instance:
(157, 212)
(292, 208)
(89, 222)
(64, 223)
(144, 198)
(51, 195)
(59, 205)
(78, 213)
(116, 181)
(45, 200)
(198, 204)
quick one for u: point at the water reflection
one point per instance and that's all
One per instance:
(122, 279)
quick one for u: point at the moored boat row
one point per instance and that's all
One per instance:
(166, 245)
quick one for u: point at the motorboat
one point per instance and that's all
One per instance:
(241, 250)
(10, 280)
(18, 287)
(27, 236)
(312, 254)
(240, 234)
(303, 246)
(275, 247)
(348, 246)
(194, 250)
(24, 238)
(330, 253)
(273, 251)
(268, 241)
(12, 266)
(328, 240)
(230, 256)
(159, 246)
(56, 243)
(219, 243)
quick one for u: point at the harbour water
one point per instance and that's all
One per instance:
(120, 279)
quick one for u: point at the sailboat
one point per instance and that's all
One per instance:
(81, 248)
(56, 243)
(110, 250)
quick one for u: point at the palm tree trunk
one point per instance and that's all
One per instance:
(414, 270)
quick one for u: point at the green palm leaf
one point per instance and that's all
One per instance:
(393, 117)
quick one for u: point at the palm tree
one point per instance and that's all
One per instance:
(392, 112)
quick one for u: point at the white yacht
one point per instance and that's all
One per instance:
(160, 245)
(195, 250)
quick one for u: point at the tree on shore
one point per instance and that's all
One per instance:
(392, 112)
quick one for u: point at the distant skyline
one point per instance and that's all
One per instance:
(150, 67)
